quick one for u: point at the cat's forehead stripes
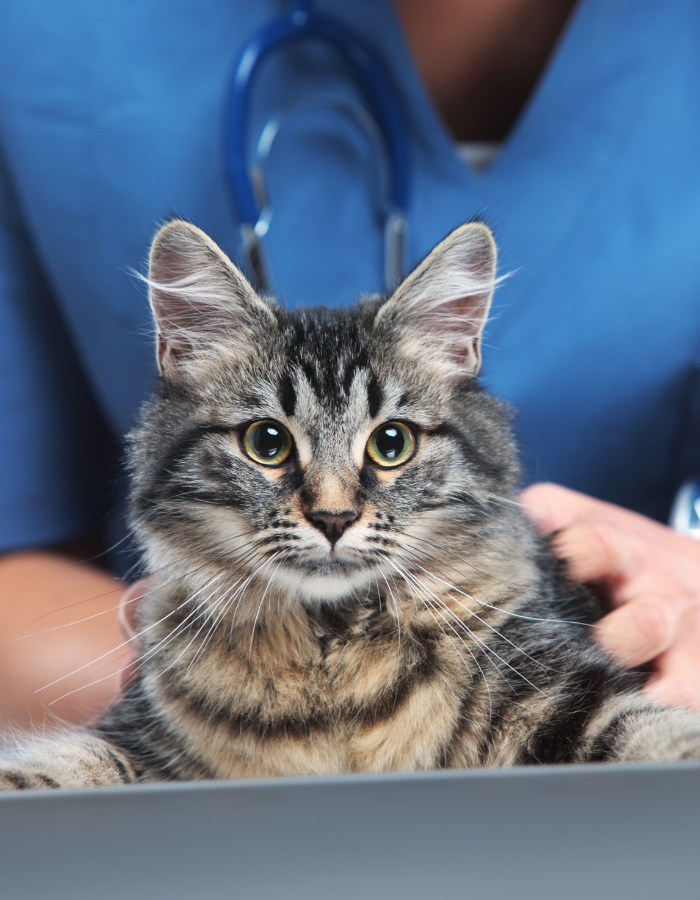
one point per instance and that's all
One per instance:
(330, 433)
(327, 351)
(287, 396)
(375, 395)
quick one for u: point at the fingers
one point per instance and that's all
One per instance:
(645, 625)
(595, 550)
(679, 687)
(650, 573)
(552, 507)
(127, 676)
(128, 620)
(129, 607)
(640, 630)
(548, 506)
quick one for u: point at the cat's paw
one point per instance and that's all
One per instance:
(69, 759)
(14, 778)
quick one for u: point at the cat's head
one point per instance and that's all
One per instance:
(317, 453)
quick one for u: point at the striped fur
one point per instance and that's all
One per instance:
(435, 631)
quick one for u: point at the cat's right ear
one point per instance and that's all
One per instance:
(202, 304)
(437, 315)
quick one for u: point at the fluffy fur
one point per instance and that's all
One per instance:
(328, 613)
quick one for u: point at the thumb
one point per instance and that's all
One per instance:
(128, 620)
(129, 607)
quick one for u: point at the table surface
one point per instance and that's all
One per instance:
(563, 832)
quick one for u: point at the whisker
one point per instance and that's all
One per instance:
(255, 621)
(119, 646)
(552, 621)
(119, 588)
(484, 646)
(428, 606)
(453, 589)
(396, 609)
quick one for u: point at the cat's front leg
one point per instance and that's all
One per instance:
(69, 759)
(627, 731)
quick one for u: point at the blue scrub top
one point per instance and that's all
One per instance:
(110, 120)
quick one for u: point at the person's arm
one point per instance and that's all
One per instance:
(651, 576)
(54, 484)
(41, 592)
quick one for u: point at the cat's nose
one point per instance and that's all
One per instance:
(332, 524)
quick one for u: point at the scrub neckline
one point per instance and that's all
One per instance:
(431, 126)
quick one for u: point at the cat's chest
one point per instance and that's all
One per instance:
(369, 697)
(346, 669)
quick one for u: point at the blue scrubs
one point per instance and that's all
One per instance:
(110, 121)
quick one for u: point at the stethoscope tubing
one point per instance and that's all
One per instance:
(381, 95)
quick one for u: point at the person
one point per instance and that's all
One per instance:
(568, 127)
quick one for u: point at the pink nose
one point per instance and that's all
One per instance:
(332, 524)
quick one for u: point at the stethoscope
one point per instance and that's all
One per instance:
(385, 127)
(685, 514)
(382, 122)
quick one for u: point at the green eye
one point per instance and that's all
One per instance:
(267, 442)
(391, 444)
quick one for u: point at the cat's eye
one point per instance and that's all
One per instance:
(267, 443)
(391, 444)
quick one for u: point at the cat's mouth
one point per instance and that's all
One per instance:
(335, 556)
(331, 577)
(332, 563)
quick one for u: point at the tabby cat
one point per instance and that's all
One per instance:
(342, 579)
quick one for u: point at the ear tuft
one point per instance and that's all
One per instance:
(440, 310)
(202, 304)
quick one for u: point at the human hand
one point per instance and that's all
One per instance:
(651, 576)
(128, 622)
(59, 634)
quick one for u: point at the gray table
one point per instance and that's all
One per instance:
(563, 833)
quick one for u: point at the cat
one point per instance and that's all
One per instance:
(342, 578)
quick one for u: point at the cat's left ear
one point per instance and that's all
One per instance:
(204, 308)
(438, 313)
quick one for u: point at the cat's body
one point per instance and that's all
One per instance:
(342, 579)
